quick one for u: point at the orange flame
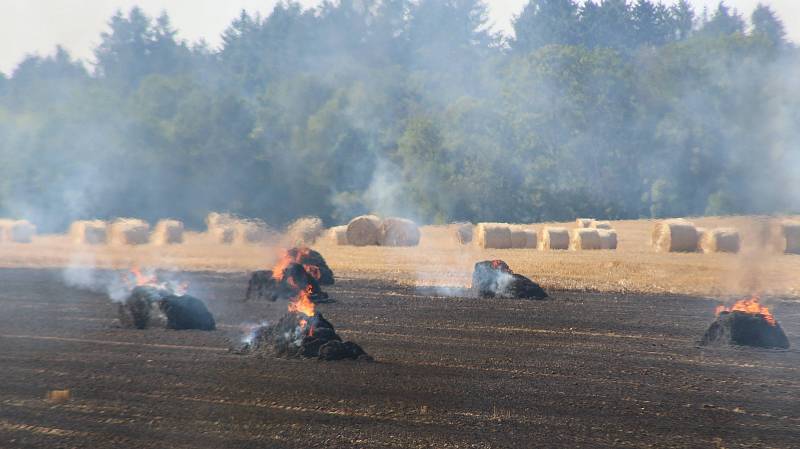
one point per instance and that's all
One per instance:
(749, 305)
(286, 259)
(140, 279)
(302, 303)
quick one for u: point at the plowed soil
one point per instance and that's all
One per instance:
(587, 370)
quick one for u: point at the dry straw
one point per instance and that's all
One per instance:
(88, 232)
(18, 231)
(720, 240)
(305, 231)
(167, 232)
(601, 225)
(523, 237)
(584, 222)
(463, 232)
(608, 238)
(584, 239)
(128, 231)
(675, 235)
(398, 232)
(787, 236)
(364, 230)
(493, 235)
(554, 238)
(337, 235)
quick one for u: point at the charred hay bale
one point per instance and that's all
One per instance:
(285, 285)
(463, 232)
(311, 258)
(554, 238)
(584, 222)
(186, 312)
(745, 329)
(398, 232)
(601, 224)
(786, 236)
(584, 239)
(341, 350)
(88, 232)
(337, 235)
(364, 230)
(493, 235)
(494, 279)
(720, 240)
(167, 232)
(17, 231)
(137, 309)
(523, 237)
(305, 231)
(676, 235)
(128, 231)
(608, 238)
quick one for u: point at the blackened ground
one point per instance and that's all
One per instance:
(578, 370)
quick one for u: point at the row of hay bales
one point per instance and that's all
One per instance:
(371, 230)
(681, 235)
(17, 231)
(229, 229)
(126, 231)
(505, 236)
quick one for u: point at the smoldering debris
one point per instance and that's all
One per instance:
(494, 279)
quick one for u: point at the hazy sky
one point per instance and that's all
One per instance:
(37, 26)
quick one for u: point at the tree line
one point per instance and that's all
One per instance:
(612, 109)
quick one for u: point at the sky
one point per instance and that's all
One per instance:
(37, 26)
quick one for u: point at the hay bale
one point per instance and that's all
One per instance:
(88, 232)
(676, 235)
(608, 238)
(338, 235)
(584, 222)
(463, 233)
(18, 231)
(364, 230)
(128, 231)
(787, 235)
(305, 231)
(222, 233)
(167, 232)
(493, 235)
(250, 231)
(601, 224)
(398, 232)
(720, 240)
(554, 238)
(215, 219)
(523, 237)
(584, 239)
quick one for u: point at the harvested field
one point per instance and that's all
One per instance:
(580, 370)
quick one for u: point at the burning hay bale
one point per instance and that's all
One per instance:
(88, 232)
(494, 279)
(676, 235)
(128, 231)
(719, 240)
(338, 235)
(148, 302)
(746, 323)
(364, 230)
(787, 237)
(601, 224)
(584, 239)
(398, 232)
(304, 231)
(554, 238)
(297, 269)
(17, 231)
(167, 232)
(584, 222)
(608, 238)
(523, 237)
(493, 235)
(464, 233)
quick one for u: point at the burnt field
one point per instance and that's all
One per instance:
(578, 370)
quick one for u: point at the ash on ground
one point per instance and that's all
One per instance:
(494, 279)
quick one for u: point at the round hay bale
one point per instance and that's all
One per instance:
(364, 230)
(584, 222)
(608, 238)
(215, 219)
(601, 225)
(523, 237)
(128, 231)
(222, 233)
(584, 239)
(398, 232)
(463, 233)
(676, 235)
(720, 240)
(493, 235)
(88, 232)
(338, 235)
(787, 237)
(305, 231)
(554, 238)
(167, 232)
(250, 231)
(18, 231)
